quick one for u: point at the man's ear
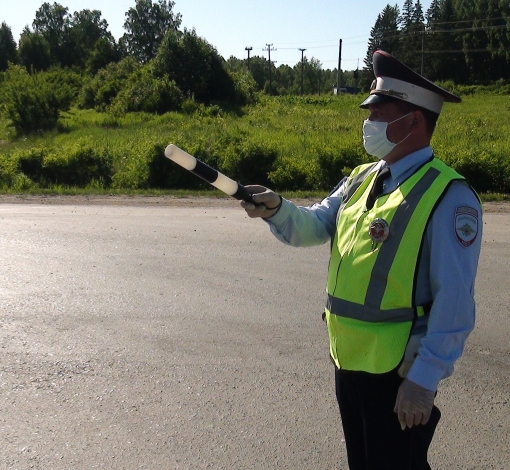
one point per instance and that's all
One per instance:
(418, 120)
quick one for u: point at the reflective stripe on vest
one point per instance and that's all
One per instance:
(371, 309)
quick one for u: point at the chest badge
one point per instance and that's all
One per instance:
(378, 230)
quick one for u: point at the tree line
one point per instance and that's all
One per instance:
(156, 67)
(82, 41)
(463, 41)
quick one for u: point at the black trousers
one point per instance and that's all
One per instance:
(373, 436)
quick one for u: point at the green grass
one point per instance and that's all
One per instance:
(314, 141)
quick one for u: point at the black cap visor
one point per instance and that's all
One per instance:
(376, 99)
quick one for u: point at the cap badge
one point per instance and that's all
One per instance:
(378, 231)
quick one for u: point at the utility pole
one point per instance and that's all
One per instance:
(339, 68)
(269, 48)
(248, 49)
(302, 68)
(356, 76)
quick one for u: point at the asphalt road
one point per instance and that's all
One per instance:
(144, 337)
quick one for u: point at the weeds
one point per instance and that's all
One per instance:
(287, 143)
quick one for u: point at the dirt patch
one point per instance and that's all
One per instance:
(191, 201)
(115, 200)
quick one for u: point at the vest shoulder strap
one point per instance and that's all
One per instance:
(356, 178)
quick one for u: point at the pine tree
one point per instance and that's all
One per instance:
(385, 36)
(431, 41)
(451, 62)
(411, 24)
(418, 27)
(486, 45)
(7, 47)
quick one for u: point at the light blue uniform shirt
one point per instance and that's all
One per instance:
(446, 272)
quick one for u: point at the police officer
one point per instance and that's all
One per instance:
(405, 237)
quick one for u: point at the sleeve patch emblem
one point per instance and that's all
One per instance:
(466, 225)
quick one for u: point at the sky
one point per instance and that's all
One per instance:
(231, 26)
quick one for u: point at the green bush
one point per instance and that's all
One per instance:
(486, 172)
(249, 162)
(132, 168)
(8, 171)
(501, 87)
(286, 143)
(99, 92)
(78, 166)
(165, 174)
(67, 78)
(293, 175)
(31, 164)
(245, 88)
(334, 164)
(33, 102)
(143, 92)
(190, 106)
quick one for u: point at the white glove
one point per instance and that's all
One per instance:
(414, 404)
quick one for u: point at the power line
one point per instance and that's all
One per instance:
(366, 35)
(402, 34)
(470, 21)
(410, 34)
(442, 31)
(463, 51)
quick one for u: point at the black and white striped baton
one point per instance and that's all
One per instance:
(207, 173)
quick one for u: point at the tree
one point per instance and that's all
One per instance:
(463, 41)
(34, 51)
(329, 78)
(73, 38)
(411, 34)
(285, 79)
(418, 26)
(451, 65)
(486, 46)
(259, 71)
(431, 41)
(105, 51)
(8, 51)
(312, 75)
(147, 24)
(385, 36)
(86, 28)
(195, 66)
(53, 23)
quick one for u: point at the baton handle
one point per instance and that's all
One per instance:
(208, 173)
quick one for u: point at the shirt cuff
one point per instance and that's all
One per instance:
(281, 215)
(426, 374)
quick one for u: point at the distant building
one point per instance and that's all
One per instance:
(348, 89)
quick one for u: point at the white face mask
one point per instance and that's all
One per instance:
(375, 140)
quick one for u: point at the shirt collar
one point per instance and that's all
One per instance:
(410, 161)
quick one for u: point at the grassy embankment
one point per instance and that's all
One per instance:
(299, 146)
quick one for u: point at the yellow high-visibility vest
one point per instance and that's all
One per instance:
(371, 306)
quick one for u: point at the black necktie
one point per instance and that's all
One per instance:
(377, 188)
